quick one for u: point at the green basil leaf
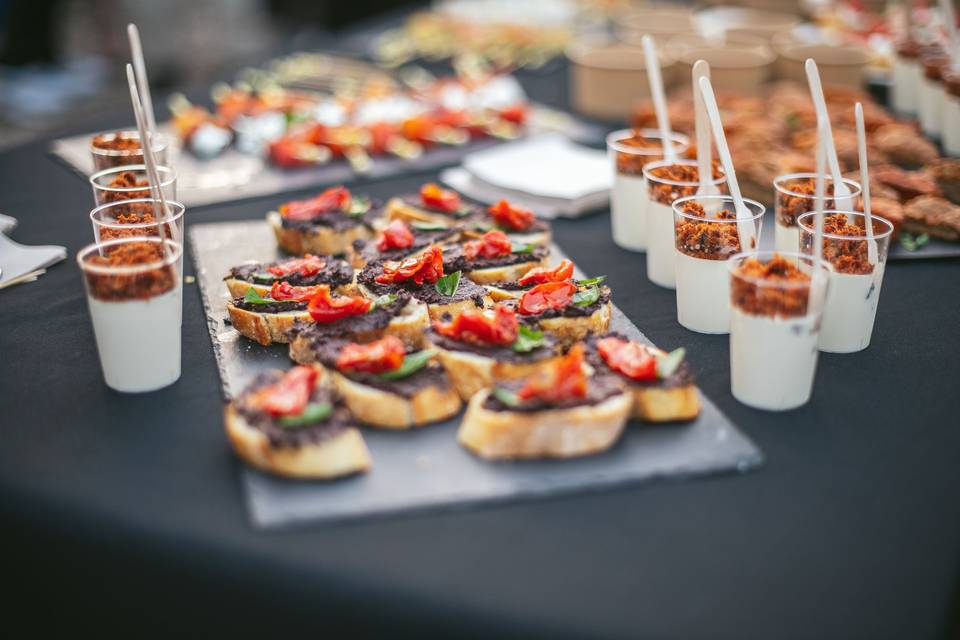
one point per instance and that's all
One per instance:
(383, 301)
(263, 276)
(587, 296)
(358, 206)
(507, 398)
(429, 226)
(312, 413)
(462, 212)
(528, 339)
(516, 247)
(907, 242)
(923, 240)
(412, 363)
(668, 363)
(590, 282)
(255, 298)
(448, 284)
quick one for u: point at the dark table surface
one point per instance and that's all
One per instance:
(126, 510)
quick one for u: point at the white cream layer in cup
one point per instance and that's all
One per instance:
(907, 74)
(703, 294)
(628, 211)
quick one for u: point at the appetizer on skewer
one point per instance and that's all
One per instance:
(558, 412)
(387, 386)
(306, 271)
(291, 425)
(493, 258)
(569, 310)
(326, 224)
(661, 384)
(423, 277)
(479, 348)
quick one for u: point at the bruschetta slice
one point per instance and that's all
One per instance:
(290, 425)
(267, 318)
(401, 239)
(305, 271)
(570, 310)
(327, 224)
(493, 258)
(519, 223)
(514, 289)
(433, 204)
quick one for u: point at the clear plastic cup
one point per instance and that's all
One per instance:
(136, 218)
(661, 194)
(135, 307)
(706, 234)
(628, 196)
(774, 327)
(130, 182)
(794, 197)
(104, 158)
(851, 306)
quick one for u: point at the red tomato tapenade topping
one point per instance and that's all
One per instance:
(629, 357)
(333, 199)
(397, 235)
(493, 244)
(511, 216)
(476, 327)
(426, 267)
(707, 239)
(283, 290)
(560, 381)
(289, 395)
(385, 354)
(559, 273)
(308, 265)
(326, 308)
(435, 197)
(768, 299)
(549, 295)
(846, 256)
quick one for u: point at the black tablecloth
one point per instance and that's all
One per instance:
(127, 510)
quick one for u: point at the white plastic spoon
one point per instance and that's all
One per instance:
(865, 182)
(143, 86)
(745, 227)
(841, 192)
(818, 201)
(701, 69)
(659, 100)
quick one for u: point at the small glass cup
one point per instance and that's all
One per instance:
(774, 327)
(123, 183)
(136, 218)
(661, 194)
(105, 157)
(851, 306)
(628, 196)
(135, 301)
(706, 234)
(794, 197)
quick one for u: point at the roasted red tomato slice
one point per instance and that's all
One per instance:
(283, 290)
(326, 308)
(397, 235)
(476, 327)
(562, 380)
(492, 245)
(426, 267)
(435, 197)
(549, 295)
(291, 151)
(289, 395)
(630, 358)
(308, 265)
(559, 273)
(512, 217)
(333, 199)
(385, 354)
(516, 114)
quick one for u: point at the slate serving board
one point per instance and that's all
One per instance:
(425, 468)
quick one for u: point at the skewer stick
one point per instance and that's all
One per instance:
(841, 193)
(659, 100)
(140, 66)
(745, 227)
(865, 181)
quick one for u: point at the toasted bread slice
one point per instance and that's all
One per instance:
(380, 408)
(317, 239)
(397, 209)
(437, 311)
(551, 433)
(665, 404)
(471, 372)
(264, 328)
(343, 454)
(238, 288)
(569, 331)
(507, 273)
(541, 238)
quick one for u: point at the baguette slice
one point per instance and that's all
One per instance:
(265, 328)
(343, 454)
(508, 273)
(397, 209)
(437, 311)
(471, 372)
(317, 239)
(660, 404)
(551, 433)
(238, 288)
(569, 331)
(380, 408)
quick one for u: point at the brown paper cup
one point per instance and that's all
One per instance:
(838, 65)
(731, 69)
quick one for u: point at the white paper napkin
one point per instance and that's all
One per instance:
(17, 259)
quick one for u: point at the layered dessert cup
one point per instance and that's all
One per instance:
(776, 306)
(135, 296)
(907, 73)
(667, 182)
(120, 148)
(851, 304)
(137, 218)
(707, 234)
(629, 150)
(130, 183)
(795, 196)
